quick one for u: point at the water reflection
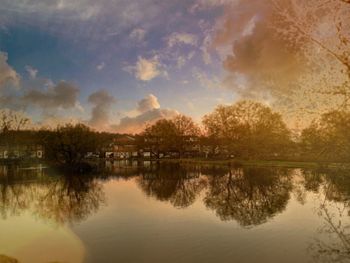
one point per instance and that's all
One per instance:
(333, 187)
(174, 183)
(245, 195)
(248, 195)
(6, 259)
(57, 198)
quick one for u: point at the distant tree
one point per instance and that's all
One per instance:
(161, 136)
(69, 144)
(328, 138)
(173, 134)
(248, 129)
(12, 120)
(187, 132)
(185, 126)
(12, 124)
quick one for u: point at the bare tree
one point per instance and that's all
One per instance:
(12, 120)
(320, 29)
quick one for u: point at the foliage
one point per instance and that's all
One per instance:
(69, 144)
(173, 134)
(248, 129)
(328, 138)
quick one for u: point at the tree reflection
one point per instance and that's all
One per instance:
(333, 241)
(333, 245)
(173, 183)
(249, 195)
(71, 199)
(6, 259)
(58, 198)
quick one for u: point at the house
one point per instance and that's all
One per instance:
(123, 147)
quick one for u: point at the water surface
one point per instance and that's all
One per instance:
(174, 213)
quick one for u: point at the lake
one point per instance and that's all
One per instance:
(147, 212)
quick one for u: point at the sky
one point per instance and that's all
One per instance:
(117, 65)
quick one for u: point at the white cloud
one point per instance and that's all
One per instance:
(206, 81)
(148, 103)
(182, 38)
(138, 124)
(31, 71)
(7, 73)
(137, 35)
(181, 61)
(149, 112)
(100, 66)
(205, 4)
(146, 69)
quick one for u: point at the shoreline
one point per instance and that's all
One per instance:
(260, 163)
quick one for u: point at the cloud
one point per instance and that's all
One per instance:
(211, 82)
(7, 74)
(149, 112)
(102, 102)
(206, 4)
(138, 124)
(252, 51)
(148, 103)
(146, 69)
(92, 19)
(64, 95)
(137, 35)
(31, 71)
(100, 66)
(181, 38)
(52, 121)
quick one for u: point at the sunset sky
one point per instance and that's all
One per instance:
(118, 64)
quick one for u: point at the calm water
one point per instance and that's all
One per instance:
(173, 213)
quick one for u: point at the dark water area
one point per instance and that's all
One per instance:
(144, 212)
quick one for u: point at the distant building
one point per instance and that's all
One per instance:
(122, 147)
(21, 152)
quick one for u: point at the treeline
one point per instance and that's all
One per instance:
(245, 130)
(251, 130)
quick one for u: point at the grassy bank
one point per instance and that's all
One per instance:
(260, 163)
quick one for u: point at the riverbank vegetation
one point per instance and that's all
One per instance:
(246, 132)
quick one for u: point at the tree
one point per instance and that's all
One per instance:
(320, 31)
(12, 120)
(161, 136)
(328, 138)
(174, 134)
(187, 132)
(185, 126)
(69, 144)
(250, 196)
(12, 133)
(248, 129)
